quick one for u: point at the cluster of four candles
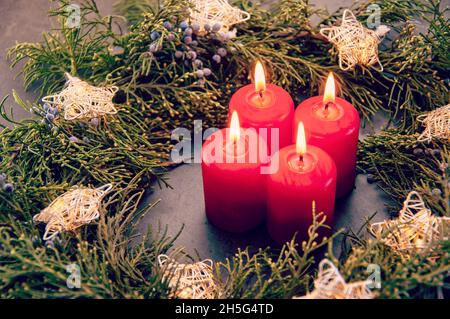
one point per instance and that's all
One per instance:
(311, 154)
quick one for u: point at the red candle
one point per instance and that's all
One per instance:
(333, 125)
(234, 188)
(265, 106)
(305, 174)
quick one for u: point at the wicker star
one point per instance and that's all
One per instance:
(437, 124)
(355, 43)
(72, 210)
(416, 230)
(216, 11)
(82, 101)
(330, 285)
(189, 281)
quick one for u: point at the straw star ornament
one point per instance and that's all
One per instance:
(331, 285)
(81, 101)
(189, 281)
(416, 230)
(210, 12)
(355, 43)
(71, 210)
(437, 124)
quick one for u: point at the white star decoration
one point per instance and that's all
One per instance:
(416, 230)
(82, 101)
(216, 11)
(437, 124)
(189, 281)
(330, 285)
(72, 210)
(355, 43)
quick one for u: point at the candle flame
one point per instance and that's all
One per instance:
(330, 90)
(235, 130)
(260, 77)
(301, 140)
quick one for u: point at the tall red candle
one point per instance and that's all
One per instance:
(305, 174)
(234, 188)
(265, 106)
(333, 125)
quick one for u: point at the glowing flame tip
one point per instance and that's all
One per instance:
(260, 77)
(235, 130)
(330, 90)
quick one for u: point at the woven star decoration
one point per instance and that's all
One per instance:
(331, 285)
(72, 210)
(210, 12)
(355, 43)
(416, 230)
(437, 124)
(81, 101)
(189, 281)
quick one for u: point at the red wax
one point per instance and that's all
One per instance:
(274, 109)
(234, 189)
(335, 130)
(293, 188)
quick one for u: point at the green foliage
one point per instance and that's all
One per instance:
(401, 164)
(66, 48)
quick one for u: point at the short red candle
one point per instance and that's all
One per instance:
(264, 106)
(292, 189)
(334, 129)
(234, 190)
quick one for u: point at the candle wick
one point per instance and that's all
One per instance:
(326, 110)
(300, 159)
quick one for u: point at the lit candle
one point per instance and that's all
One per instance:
(332, 124)
(262, 105)
(305, 174)
(233, 186)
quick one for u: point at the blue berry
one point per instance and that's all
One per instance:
(207, 72)
(184, 25)
(200, 74)
(435, 192)
(154, 47)
(178, 54)
(222, 52)
(188, 31)
(195, 27)
(188, 40)
(8, 187)
(216, 58)
(168, 25)
(50, 117)
(154, 35)
(207, 27)
(74, 139)
(94, 121)
(226, 37)
(86, 139)
(198, 63)
(191, 55)
(46, 106)
(53, 110)
(171, 37)
(194, 43)
(216, 27)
